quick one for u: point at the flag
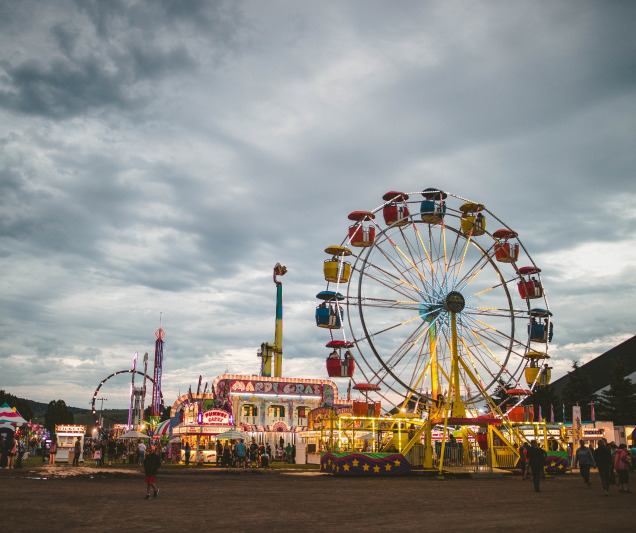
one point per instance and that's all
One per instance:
(592, 417)
(577, 426)
(564, 413)
(551, 414)
(349, 391)
(540, 415)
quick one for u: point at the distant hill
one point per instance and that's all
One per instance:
(39, 408)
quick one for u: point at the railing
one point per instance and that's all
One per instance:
(474, 460)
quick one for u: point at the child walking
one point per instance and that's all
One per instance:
(152, 462)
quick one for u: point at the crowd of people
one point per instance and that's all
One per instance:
(614, 462)
(238, 454)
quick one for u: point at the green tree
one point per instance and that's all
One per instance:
(57, 413)
(618, 403)
(501, 398)
(578, 390)
(19, 403)
(547, 399)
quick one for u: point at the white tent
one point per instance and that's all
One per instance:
(133, 435)
(230, 435)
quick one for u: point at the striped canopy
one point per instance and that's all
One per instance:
(8, 415)
(9, 419)
(163, 429)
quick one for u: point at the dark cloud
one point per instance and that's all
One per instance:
(161, 157)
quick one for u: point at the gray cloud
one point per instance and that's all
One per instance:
(161, 157)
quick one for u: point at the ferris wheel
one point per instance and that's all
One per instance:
(439, 301)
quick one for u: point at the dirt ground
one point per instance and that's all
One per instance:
(41, 498)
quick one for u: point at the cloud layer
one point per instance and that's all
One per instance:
(160, 158)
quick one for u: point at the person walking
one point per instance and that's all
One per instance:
(621, 465)
(536, 459)
(152, 462)
(585, 459)
(10, 450)
(241, 452)
(77, 450)
(142, 452)
(187, 452)
(603, 460)
(53, 451)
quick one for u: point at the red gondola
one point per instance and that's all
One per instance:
(361, 235)
(396, 211)
(520, 413)
(340, 366)
(366, 408)
(506, 252)
(530, 287)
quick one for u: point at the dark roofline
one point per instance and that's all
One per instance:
(599, 369)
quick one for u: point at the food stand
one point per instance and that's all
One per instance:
(66, 436)
(199, 430)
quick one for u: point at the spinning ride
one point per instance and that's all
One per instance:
(438, 309)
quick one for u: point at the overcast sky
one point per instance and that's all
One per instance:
(160, 157)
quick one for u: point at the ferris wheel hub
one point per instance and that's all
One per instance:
(455, 302)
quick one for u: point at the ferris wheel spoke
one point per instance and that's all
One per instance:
(404, 269)
(473, 272)
(391, 282)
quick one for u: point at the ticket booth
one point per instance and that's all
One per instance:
(66, 436)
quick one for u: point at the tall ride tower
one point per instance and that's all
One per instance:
(275, 350)
(156, 387)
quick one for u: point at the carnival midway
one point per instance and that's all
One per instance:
(437, 331)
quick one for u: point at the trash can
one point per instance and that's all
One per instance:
(71, 456)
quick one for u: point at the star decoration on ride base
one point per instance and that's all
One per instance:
(364, 464)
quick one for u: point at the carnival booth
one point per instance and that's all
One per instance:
(66, 437)
(201, 419)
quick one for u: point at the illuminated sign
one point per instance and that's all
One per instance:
(80, 430)
(276, 388)
(216, 416)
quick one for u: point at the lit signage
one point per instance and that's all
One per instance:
(80, 430)
(216, 416)
(276, 388)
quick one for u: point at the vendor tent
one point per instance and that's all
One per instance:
(163, 429)
(133, 435)
(9, 418)
(230, 435)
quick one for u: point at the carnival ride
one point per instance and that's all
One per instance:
(440, 312)
(274, 350)
(137, 395)
(107, 380)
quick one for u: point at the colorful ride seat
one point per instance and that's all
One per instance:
(472, 219)
(535, 374)
(433, 208)
(506, 252)
(336, 270)
(540, 328)
(519, 412)
(337, 366)
(396, 212)
(529, 286)
(360, 234)
(329, 315)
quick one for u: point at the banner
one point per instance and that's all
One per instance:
(577, 426)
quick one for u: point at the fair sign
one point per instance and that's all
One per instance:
(216, 417)
(79, 430)
(273, 387)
